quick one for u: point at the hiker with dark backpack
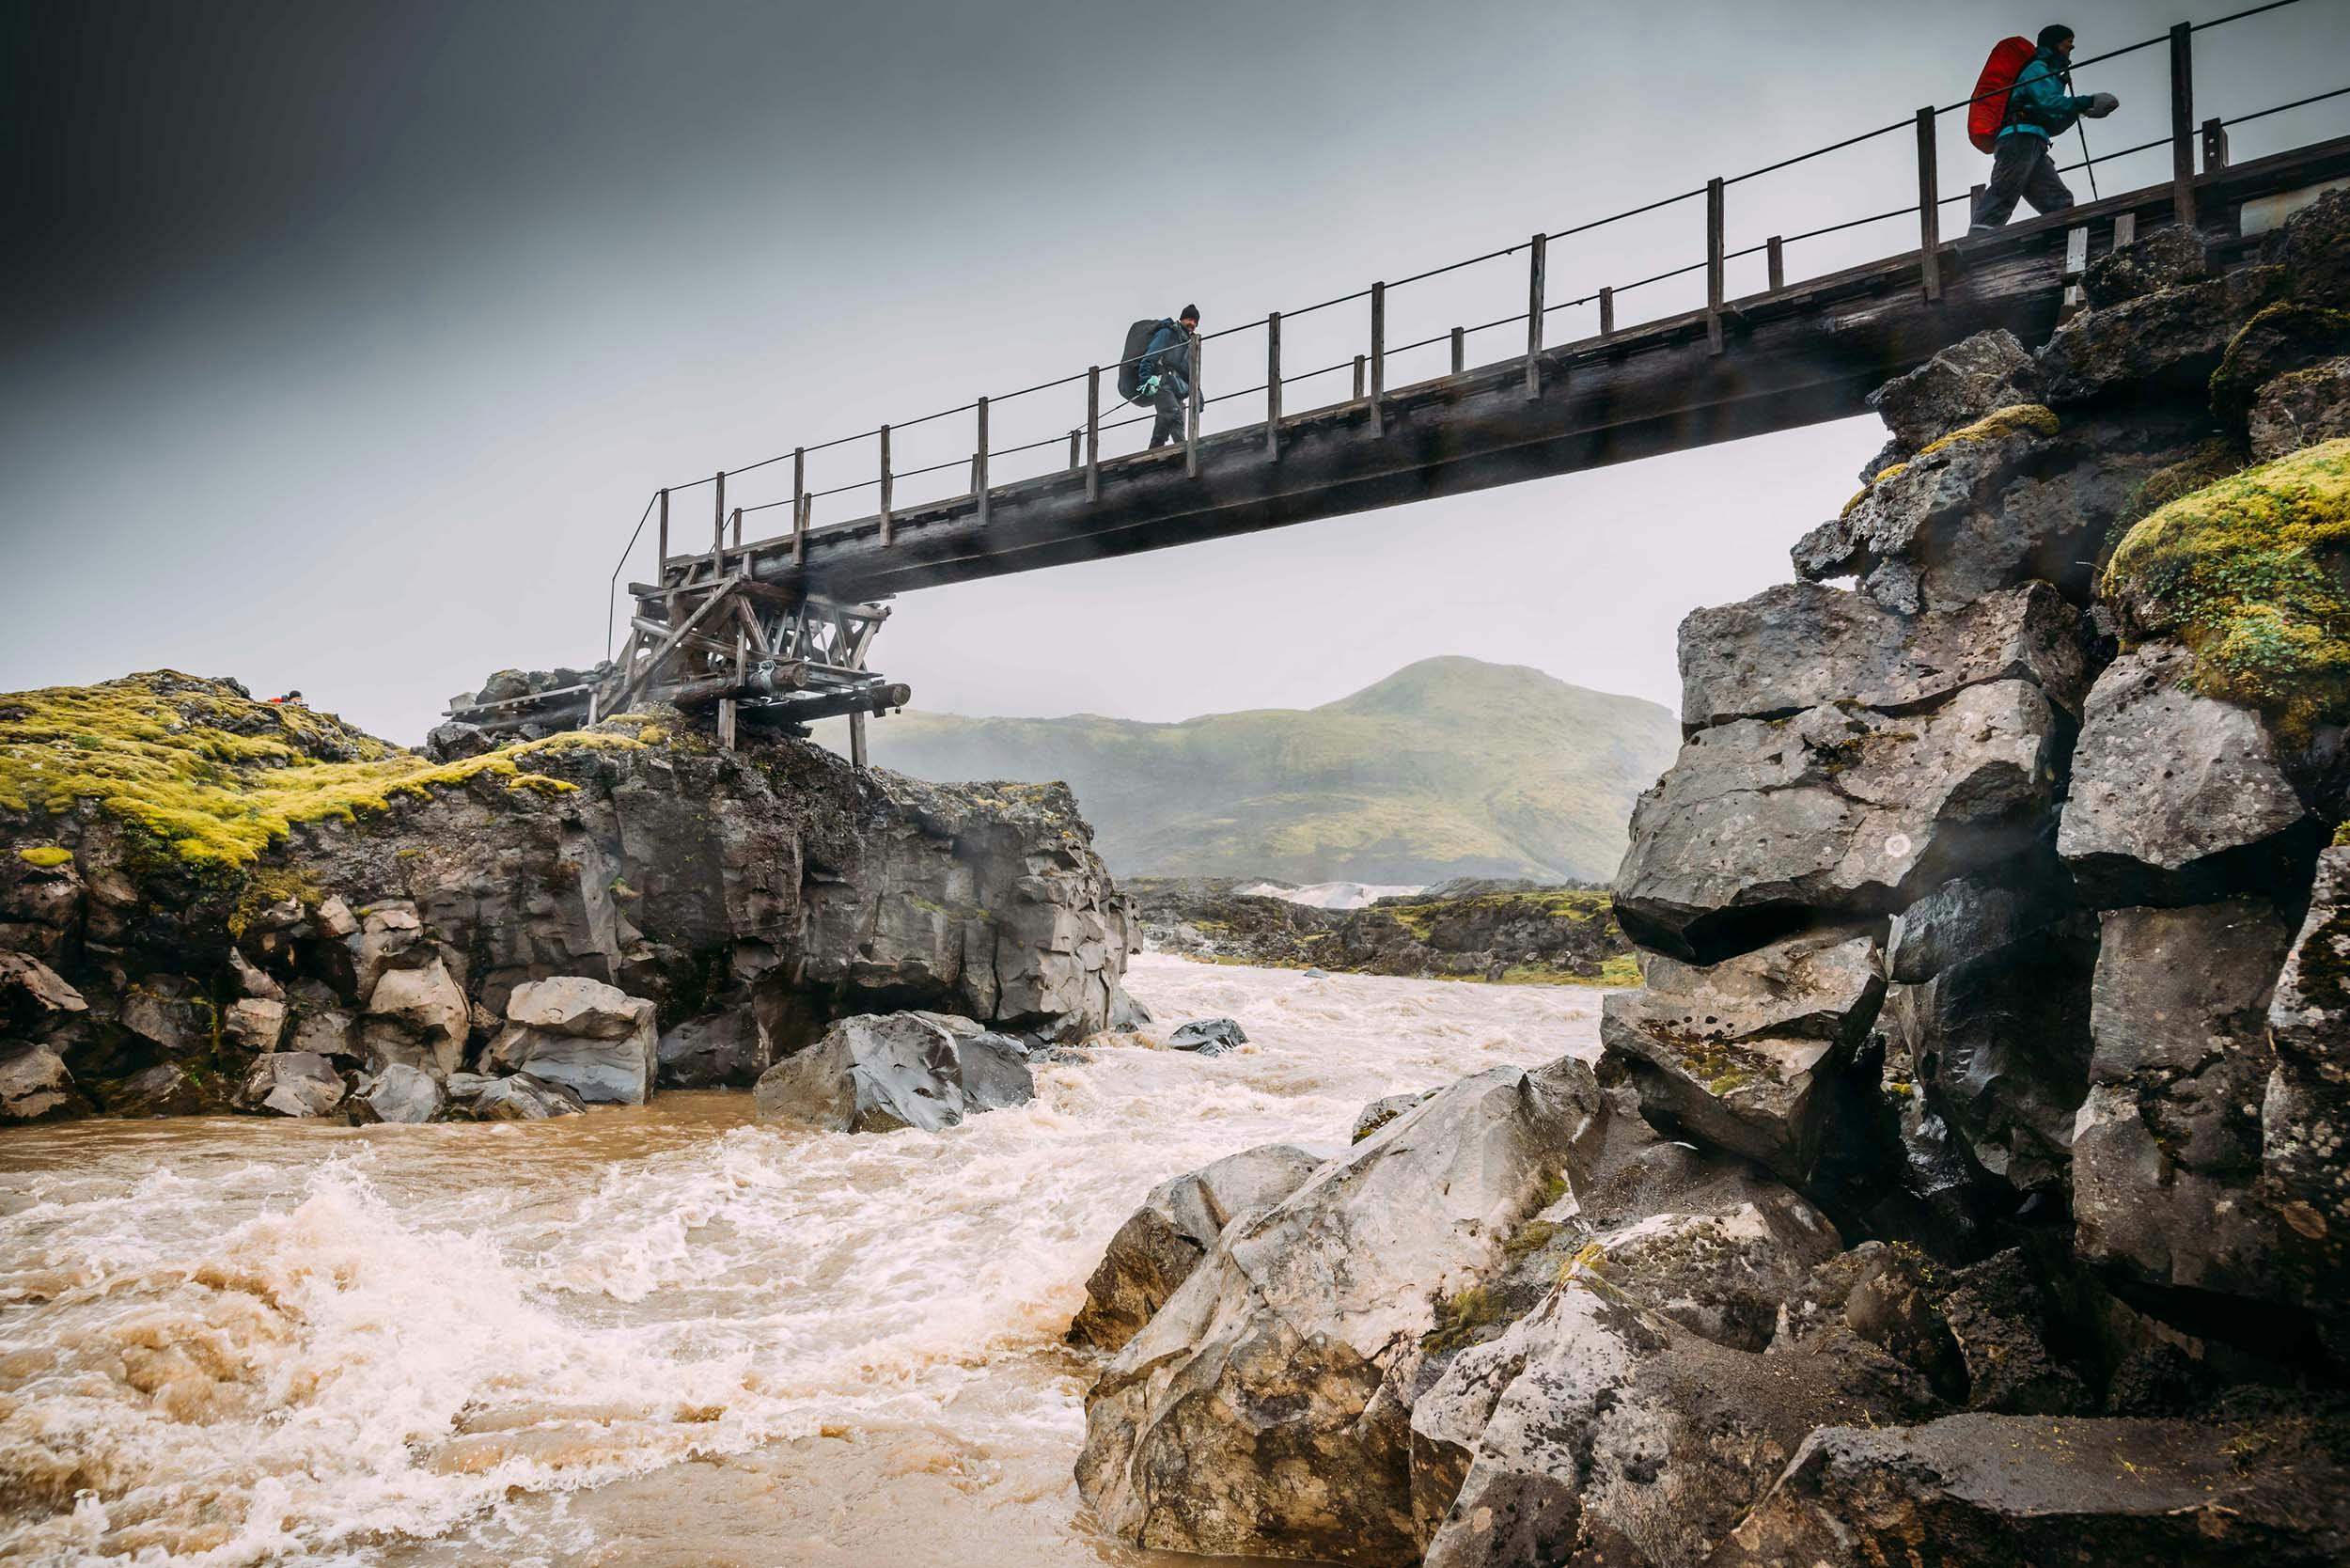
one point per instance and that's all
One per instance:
(2020, 107)
(1158, 370)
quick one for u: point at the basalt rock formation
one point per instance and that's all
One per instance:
(1967, 1181)
(211, 903)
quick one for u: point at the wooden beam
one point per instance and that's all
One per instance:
(1928, 210)
(2124, 230)
(1537, 296)
(1358, 379)
(1460, 350)
(2215, 145)
(1378, 354)
(1273, 387)
(1606, 313)
(888, 528)
(1775, 259)
(979, 463)
(2182, 126)
(1194, 406)
(718, 515)
(858, 757)
(1713, 265)
(665, 527)
(1093, 433)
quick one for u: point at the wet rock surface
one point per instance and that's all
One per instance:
(878, 1074)
(1965, 1183)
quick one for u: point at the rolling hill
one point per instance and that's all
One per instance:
(1449, 767)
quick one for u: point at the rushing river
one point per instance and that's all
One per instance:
(666, 1336)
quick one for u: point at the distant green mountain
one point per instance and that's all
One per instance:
(1449, 767)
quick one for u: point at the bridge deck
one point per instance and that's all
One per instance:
(1805, 353)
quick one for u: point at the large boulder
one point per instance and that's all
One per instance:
(418, 1015)
(517, 1097)
(1987, 1489)
(2282, 339)
(1972, 378)
(34, 999)
(2167, 341)
(1743, 1053)
(2301, 410)
(2167, 1150)
(293, 1083)
(2163, 260)
(719, 1050)
(593, 1039)
(1834, 809)
(2313, 248)
(34, 1084)
(1263, 1408)
(1799, 645)
(2176, 796)
(403, 1093)
(1162, 1242)
(2305, 1116)
(1998, 1047)
(881, 1072)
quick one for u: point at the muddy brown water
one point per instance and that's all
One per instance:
(643, 1337)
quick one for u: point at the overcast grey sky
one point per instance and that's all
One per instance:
(344, 342)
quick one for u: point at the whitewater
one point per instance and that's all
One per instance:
(666, 1334)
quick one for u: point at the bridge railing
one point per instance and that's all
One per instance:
(1347, 350)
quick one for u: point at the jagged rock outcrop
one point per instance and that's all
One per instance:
(878, 1074)
(1966, 1182)
(319, 892)
(1162, 1242)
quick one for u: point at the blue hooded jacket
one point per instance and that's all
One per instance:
(1169, 356)
(2039, 105)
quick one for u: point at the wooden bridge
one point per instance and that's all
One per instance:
(779, 628)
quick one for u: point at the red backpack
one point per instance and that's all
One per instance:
(1987, 116)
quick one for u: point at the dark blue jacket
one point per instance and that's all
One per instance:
(2040, 106)
(1169, 356)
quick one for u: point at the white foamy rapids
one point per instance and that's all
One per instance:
(228, 1342)
(1334, 895)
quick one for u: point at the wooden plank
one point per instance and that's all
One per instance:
(979, 463)
(2182, 126)
(726, 722)
(2076, 252)
(1537, 296)
(1714, 252)
(2124, 230)
(1606, 313)
(803, 505)
(1378, 354)
(888, 528)
(1193, 408)
(1358, 379)
(1460, 350)
(665, 525)
(1073, 450)
(2215, 145)
(1093, 433)
(718, 514)
(1273, 387)
(1928, 210)
(1775, 259)
(858, 757)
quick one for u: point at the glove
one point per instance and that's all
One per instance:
(2100, 104)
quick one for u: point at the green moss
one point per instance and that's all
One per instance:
(2207, 464)
(47, 857)
(212, 779)
(2249, 573)
(1460, 1317)
(2342, 836)
(1533, 1238)
(2024, 418)
(1620, 969)
(2288, 330)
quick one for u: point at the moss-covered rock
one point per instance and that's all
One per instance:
(2249, 573)
(2282, 337)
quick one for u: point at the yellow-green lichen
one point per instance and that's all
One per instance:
(2021, 419)
(2249, 573)
(46, 857)
(1460, 1317)
(213, 779)
(2212, 460)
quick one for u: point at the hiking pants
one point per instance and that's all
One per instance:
(2021, 167)
(1169, 426)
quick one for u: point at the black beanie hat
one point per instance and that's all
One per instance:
(1190, 313)
(2053, 34)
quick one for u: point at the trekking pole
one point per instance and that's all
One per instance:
(2088, 164)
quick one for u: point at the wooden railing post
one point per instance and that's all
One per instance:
(1192, 408)
(718, 518)
(1273, 387)
(2183, 125)
(2215, 145)
(1093, 433)
(1928, 210)
(888, 528)
(1460, 350)
(1073, 435)
(665, 525)
(1536, 294)
(1775, 259)
(803, 511)
(1378, 356)
(1358, 379)
(799, 489)
(979, 465)
(1713, 265)
(1606, 313)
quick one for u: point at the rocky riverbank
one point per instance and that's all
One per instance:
(211, 904)
(1504, 931)
(1966, 1182)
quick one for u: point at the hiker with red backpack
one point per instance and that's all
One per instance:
(2020, 107)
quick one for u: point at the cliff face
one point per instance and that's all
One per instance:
(213, 879)
(1966, 1183)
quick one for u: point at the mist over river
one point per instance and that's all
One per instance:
(640, 1337)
